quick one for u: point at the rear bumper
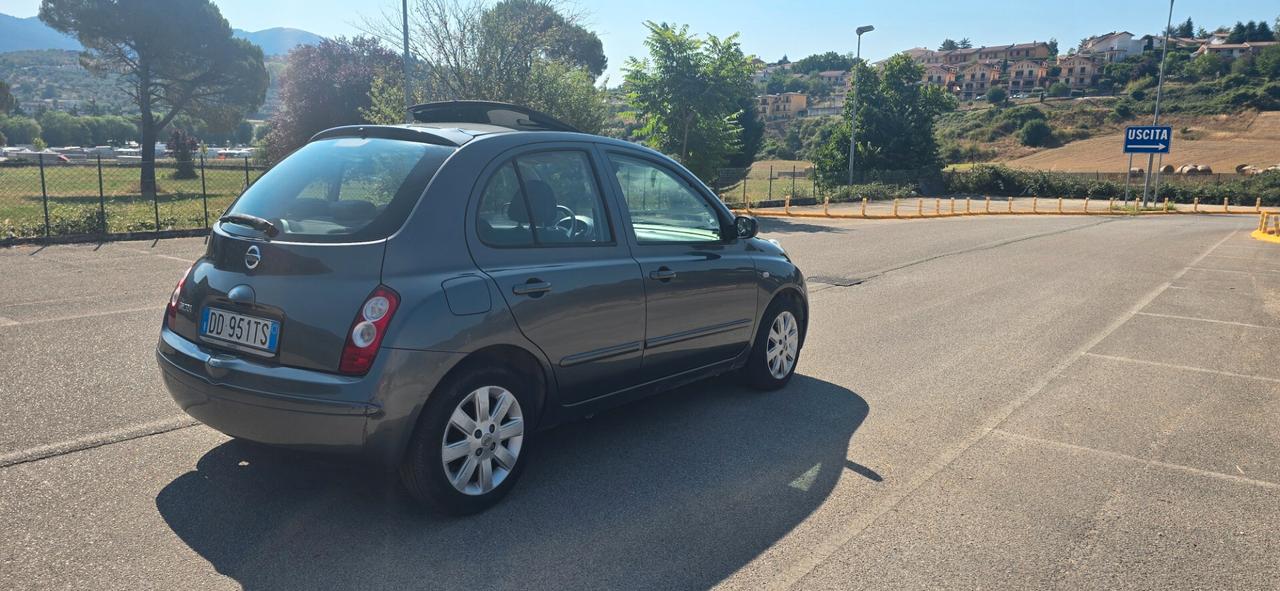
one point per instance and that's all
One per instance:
(370, 417)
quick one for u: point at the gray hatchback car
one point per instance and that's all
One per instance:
(427, 296)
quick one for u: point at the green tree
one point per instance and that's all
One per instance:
(948, 45)
(689, 93)
(111, 130)
(464, 49)
(965, 44)
(172, 57)
(1186, 29)
(997, 95)
(1263, 33)
(1053, 47)
(20, 130)
(1238, 33)
(7, 100)
(895, 117)
(1268, 62)
(1035, 133)
(1059, 89)
(4, 141)
(64, 129)
(822, 62)
(326, 85)
(1206, 66)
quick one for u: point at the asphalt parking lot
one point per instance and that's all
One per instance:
(1021, 402)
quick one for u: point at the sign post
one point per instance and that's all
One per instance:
(1149, 140)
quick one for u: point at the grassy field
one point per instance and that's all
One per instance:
(757, 181)
(1222, 142)
(74, 199)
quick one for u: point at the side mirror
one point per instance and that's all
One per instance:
(746, 226)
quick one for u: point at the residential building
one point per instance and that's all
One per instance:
(839, 79)
(1114, 46)
(1234, 50)
(1016, 51)
(974, 79)
(824, 108)
(787, 105)
(1078, 71)
(1025, 75)
(941, 75)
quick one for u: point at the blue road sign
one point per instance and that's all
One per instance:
(1147, 139)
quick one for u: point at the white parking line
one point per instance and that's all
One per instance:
(41, 452)
(8, 321)
(1184, 367)
(1152, 463)
(1234, 271)
(155, 309)
(1227, 322)
(824, 549)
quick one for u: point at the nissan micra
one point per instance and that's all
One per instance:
(428, 296)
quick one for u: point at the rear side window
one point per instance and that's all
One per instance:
(343, 189)
(544, 198)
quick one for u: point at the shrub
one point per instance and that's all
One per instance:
(997, 95)
(1123, 111)
(1059, 89)
(1035, 133)
(1138, 94)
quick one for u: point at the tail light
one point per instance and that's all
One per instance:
(171, 311)
(367, 331)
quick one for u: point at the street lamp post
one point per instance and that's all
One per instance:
(408, 92)
(853, 125)
(1164, 53)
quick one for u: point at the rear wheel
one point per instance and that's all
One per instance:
(468, 449)
(776, 350)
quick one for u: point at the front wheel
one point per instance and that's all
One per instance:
(468, 449)
(777, 347)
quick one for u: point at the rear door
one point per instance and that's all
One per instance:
(700, 302)
(289, 298)
(544, 233)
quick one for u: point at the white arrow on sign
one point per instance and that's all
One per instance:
(1155, 147)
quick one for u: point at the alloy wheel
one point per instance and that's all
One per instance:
(481, 443)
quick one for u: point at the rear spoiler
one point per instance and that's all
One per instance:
(442, 137)
(507, 115)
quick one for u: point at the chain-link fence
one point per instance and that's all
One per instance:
(51, 197)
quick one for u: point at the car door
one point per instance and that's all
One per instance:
(544, 233)
(700, 298)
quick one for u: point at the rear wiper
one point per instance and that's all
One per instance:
(260, 224)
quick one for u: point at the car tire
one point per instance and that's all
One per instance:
(431, 476)
(762, 371)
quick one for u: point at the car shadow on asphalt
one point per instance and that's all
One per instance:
(773, 224)
(677, 491)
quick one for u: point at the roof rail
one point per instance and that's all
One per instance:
(494, 113)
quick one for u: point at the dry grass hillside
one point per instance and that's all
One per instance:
(1221, 141)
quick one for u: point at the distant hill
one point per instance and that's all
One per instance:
(18, 34)
(29, 34)
(280, 40)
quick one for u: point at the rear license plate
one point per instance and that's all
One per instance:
(254, 333)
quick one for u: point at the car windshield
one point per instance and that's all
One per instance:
(342, 189)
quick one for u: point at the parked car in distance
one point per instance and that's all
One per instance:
(428, 296)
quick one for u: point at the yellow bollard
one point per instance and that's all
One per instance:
(895, 207)
(953, 206)
(920, 207)
(967, 210)
(1258, 205)
(1011, 205)
(1111, 205)
(1195, 205)
(988, 205)
(1262, 222)
(937, 206)
(1059, 205)
(1035, 207)
(826, 205)
(786, 205)
(864, 207)
(1086, 205)
(1226, 205)
(1166, 205)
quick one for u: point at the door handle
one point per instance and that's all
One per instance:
(662, 274)
(532, 288)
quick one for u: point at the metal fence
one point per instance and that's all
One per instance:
(51, 198)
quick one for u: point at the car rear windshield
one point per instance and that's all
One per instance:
(342, 189)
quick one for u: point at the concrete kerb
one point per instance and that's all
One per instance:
(986, 210)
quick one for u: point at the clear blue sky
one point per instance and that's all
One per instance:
(771, 28)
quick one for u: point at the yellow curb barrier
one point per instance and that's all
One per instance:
(1266, 218)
